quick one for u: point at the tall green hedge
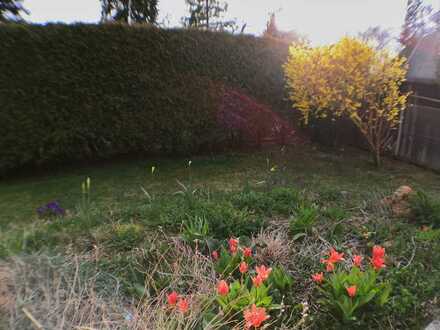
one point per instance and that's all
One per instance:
(76, 92)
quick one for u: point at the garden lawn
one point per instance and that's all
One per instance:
(317, 170)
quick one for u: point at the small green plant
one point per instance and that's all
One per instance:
(280, 279)
(240, 296)
(196, 230)
(303, 221)
(335, 213)
(281, 284)
(86, 200)
(285, 200)
(186, 190)
(146, 193)
(346, 294)
(271, 173)
(227, 264)
(425, 210)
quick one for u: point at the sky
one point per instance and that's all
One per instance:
(322, 21)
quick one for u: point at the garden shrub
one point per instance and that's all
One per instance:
(250, 122)
(80, 92)
(349, 80)
(304, 220)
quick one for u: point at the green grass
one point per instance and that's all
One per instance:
(113, 184)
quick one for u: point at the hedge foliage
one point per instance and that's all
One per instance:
(78, 92)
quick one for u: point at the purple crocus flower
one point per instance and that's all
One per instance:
(51, 208)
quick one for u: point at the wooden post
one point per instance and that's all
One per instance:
(129, 12)
(399, 134)
(207, 14)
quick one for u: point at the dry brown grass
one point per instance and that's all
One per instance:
(7, 297)
(59, 294)
(69, 293)
(273, 246)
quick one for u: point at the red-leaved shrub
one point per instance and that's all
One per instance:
(248, 122)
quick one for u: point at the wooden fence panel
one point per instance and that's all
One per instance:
(420, 136)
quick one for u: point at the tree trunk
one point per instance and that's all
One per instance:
(377, 157)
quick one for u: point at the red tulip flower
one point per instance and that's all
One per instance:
(247, 252)
(257, 281)
(263, 272)
(172, 298)
(378, 252)
(183, 305)
(318, 277)
(378, 263)
(233, 245)
(357, 260)
(214, 255)
(255, 316)
(222, 288)
(351, 291)
(243, 267)
(334, 256)
(330, 267)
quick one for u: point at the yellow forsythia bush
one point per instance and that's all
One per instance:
(349, 79)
